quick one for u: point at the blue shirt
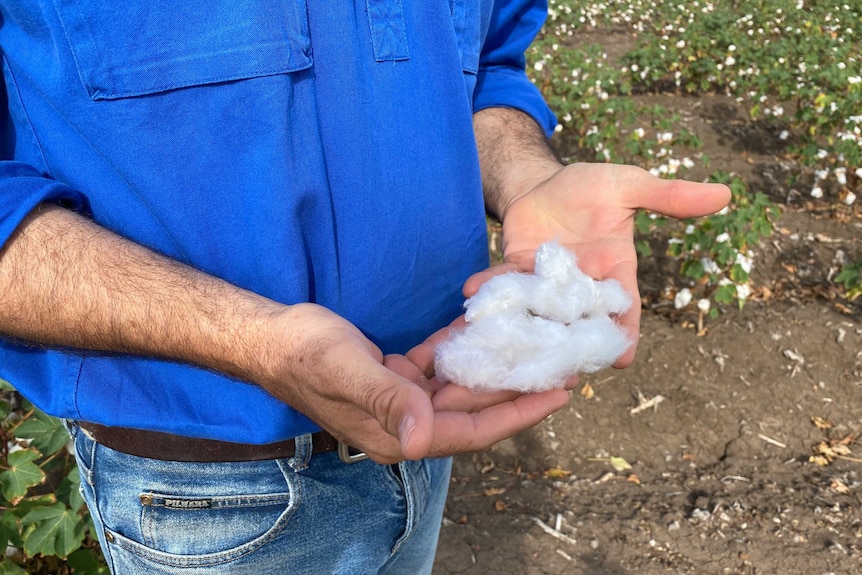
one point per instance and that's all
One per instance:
(306, 150)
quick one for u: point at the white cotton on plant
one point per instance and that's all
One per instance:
(532, 332)
(682, 298)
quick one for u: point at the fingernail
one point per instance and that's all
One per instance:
(408, 424)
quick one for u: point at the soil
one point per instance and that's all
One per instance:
(724, 470)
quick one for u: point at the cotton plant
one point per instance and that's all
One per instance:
(533, 332)
(718, 251)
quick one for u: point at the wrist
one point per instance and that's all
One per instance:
(514, 155)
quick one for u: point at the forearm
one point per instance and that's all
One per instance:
(66, 282)
(514, 156)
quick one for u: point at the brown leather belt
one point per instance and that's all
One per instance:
(169, 447)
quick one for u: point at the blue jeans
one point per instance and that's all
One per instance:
(307, 514)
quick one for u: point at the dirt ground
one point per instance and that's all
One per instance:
(721, 476)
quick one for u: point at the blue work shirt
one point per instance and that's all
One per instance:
(306, 150)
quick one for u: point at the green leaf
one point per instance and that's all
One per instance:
(8, 567)
(69, 490)
(8, 530)
(21, 475)
(738, 274)
(47, 433)
(58, 531)
(725, 294)
(693, 269)
(27, 504)
(87, 561)
(643, 249)
(6, 386)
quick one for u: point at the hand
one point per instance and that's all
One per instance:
(383, 405)
(590, 209)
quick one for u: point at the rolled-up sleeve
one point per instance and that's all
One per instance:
(502, 80)
(22, 188)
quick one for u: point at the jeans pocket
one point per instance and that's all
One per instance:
(178, 515)
(209, 524)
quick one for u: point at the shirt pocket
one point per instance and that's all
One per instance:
(139, 47)
(471, 19)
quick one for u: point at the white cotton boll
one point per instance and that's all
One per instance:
(532, 332)
(501, 293)
(744, 262)
(841, 176)
(528, 354)
(709, 266)
(703, 305)
(850, 198)
(557, 265)
(682, 298)
(585, 346)
(564, 293)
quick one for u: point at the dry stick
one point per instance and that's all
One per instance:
(847, 458)
(553, 532)
(772, 441)
(646, 405)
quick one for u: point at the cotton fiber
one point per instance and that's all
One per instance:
(531, 332)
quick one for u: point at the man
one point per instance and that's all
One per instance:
(229, 226)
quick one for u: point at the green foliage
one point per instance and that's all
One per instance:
(851, 278)
(795, 66)
(44, 522)
(716, 252)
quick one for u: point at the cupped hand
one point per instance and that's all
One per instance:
(590, 209)
(384, 406)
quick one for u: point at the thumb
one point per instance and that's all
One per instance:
(675, 198)
(402, 407)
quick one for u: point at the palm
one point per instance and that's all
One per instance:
(590, 208)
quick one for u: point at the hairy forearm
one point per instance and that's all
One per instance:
(514, 155)
(66, 282)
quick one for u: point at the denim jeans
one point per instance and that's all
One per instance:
(309, 514)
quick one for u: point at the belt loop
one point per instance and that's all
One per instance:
(71, 426)
(303, 453)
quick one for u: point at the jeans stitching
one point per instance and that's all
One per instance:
(220, 557)
(94, 508)
(142, 550)
(407, 486)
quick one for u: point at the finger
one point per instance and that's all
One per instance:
(459, 432)
(626, 274)
(475, 281)
(408, 370)
(571, 383)
(402, 408)
(423, 354)
(675, 198)
(452, 397)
